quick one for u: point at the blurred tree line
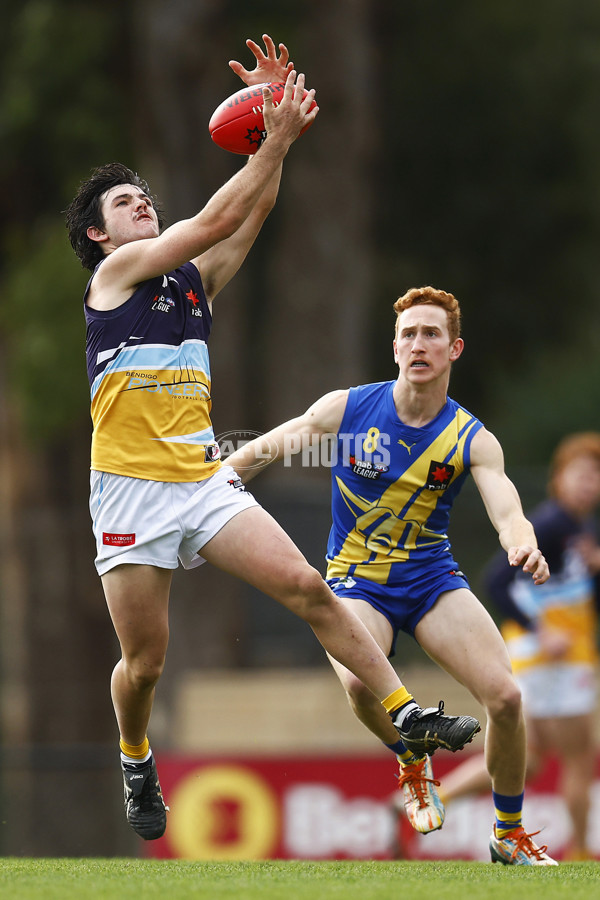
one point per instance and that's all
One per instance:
(473, 129)
(456, 146)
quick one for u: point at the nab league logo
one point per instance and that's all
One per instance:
(367, 469)
(439, 476)
(163, 304)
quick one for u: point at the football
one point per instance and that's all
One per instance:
(237, 124)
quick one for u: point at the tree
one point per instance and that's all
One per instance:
(59, 111)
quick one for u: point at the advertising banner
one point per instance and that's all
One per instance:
(331, 808)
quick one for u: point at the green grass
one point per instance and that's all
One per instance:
(129, 879)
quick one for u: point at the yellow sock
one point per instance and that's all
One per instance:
(396, 699)
(135, 751)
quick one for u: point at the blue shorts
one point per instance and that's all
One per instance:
(405, 604)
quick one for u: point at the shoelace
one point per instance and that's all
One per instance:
(524, 842)
(416, 715)
(416, 781)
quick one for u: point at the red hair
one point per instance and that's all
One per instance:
(424, 295)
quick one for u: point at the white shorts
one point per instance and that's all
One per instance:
(155, 522)
(558, 690)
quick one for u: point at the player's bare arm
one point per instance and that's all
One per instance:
(504, 507)
(220, 263)
(323, 417)
(132, 260)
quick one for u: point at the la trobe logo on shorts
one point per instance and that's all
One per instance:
(113, 539)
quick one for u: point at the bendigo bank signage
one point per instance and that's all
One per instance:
(328, 808)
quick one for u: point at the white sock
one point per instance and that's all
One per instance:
(130, 761)
(405, 711)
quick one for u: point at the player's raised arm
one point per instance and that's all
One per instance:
(132, 261)
(504, 508)
(323, 417)
(220, 262)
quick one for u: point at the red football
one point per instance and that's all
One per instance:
(237, 124)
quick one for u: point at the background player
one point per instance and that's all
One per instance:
(403, 451)
(551, 635)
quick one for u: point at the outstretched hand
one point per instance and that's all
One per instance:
(269, 67)
(293, 113)
(531, 561)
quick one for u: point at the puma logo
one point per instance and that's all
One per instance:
(408, 446)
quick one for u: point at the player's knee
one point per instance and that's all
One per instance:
(505, 705)
(144, 671)
(308, 595)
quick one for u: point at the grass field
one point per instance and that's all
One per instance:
(129, 879)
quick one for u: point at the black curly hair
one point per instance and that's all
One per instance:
(85, 211)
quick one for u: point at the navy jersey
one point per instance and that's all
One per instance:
(393, 486)
(149, 374)
(568, 601)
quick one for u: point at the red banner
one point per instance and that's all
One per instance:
(330, 808)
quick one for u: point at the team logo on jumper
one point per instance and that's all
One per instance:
(439, 476)
(212, 452)
(367, 469)
(118, 540)
(163, 304)
(194, 300)
(346, 582)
